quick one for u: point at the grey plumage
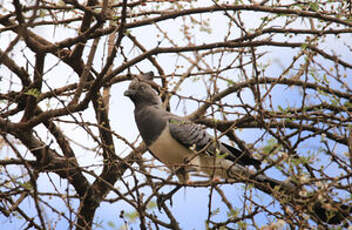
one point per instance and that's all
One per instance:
(179, 143)
(184, 146)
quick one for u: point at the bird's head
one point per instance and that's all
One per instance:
(140, 90)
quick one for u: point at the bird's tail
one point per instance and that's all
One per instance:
(287, 192)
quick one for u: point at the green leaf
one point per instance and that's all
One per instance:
(33, 92)
(219, 154)
(42, 13)
(348, 104)
(132, 216)
(111, 224)
(271, 147)
(27, 185)
(242, 225)
(152, 205)
(233, 213)
(314, 6)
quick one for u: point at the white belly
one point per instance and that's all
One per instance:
(175, 155)
(172, 153)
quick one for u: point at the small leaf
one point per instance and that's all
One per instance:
(33, 92)
(111, 224)
(152, 205)
(304, 46)
(348, 104)
(314, 6)
(233, 213)
(27, 185)
(132, 216)
(219, 154)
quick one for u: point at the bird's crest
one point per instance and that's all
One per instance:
(148, 78)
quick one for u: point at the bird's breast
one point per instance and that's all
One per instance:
(171, 152)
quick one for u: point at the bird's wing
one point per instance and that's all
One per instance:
(189, 134)
(194, 136)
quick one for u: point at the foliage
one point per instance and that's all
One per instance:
(273, 77)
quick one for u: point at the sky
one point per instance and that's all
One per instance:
(191, 204)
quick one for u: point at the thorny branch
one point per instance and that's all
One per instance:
(299, 106)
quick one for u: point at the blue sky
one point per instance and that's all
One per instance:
(191, 204)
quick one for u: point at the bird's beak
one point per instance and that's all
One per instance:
(129, 93)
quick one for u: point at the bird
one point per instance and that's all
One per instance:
(185, 147)
(175, 141)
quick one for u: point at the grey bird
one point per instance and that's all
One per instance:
(180, 144)
(184, 146)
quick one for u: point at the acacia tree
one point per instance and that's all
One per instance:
(271, 77)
